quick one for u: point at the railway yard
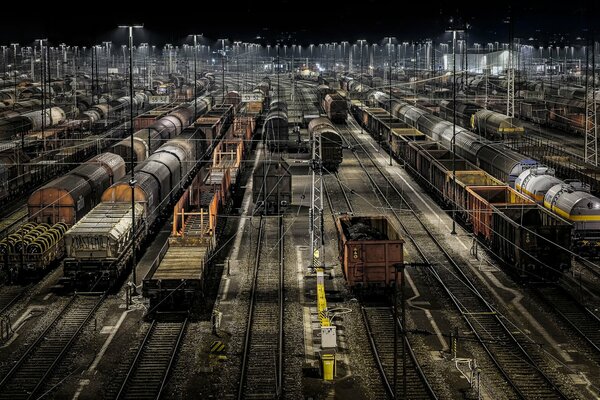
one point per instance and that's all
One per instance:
(288, 222)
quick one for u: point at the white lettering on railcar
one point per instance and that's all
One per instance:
(80, 203)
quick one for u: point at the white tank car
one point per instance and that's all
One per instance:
(535, 183)
(579, 207)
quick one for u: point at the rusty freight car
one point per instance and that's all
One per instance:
(369, 249)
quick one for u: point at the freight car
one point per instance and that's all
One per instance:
(332, 152)
(272, 186)
(323, 91)
(464, 111)
(227, 156)
(357, 84)
(583, 210)
(380, 122)
(99, 246)
(527, 238)
(264, 86)
(261, 93)
(243, 127)
(31, 249)
(494, 126)
(335, 107)
(176, 281)
(33, 120)
(369, 250)
(275, 128)
(147, 140)
(234, 98)
(486, 123)
(532, 241)
(213, 125)
(494, 158)
(534, 111)
(479, 197)
(68, 198)
(15, 173)
(535, 183)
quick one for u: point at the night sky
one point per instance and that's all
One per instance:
(330, 21)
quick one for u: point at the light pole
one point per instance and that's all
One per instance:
(237, 64)
(454, 30)
(390, 95)
(4, 62)
(43, 66)
(361, 41)
(453, 132)
(344, 43)
(223, 67)
(14, 45)
(195, 74)
(143, 48)
(132, 181)
(168, 47)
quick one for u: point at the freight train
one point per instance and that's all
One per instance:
(100, 245)
(177, 280)
(148, 139)
(505, 165)
(526, 237)
(67, 199)
(14, 126)
(21, 170)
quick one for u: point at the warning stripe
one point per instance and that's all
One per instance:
(217, 347)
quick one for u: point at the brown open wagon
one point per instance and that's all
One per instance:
(369, 247)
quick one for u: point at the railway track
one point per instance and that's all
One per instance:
(336, 204)
(149, 372)
(379, 322)
(9, 295)
(578, 317)
(13, 218)
(27, 376)
(513, 354)
(571, 144)
(262, 356)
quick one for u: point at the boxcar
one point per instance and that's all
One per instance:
(336, 107)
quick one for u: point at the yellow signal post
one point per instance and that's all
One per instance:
(328, 331)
